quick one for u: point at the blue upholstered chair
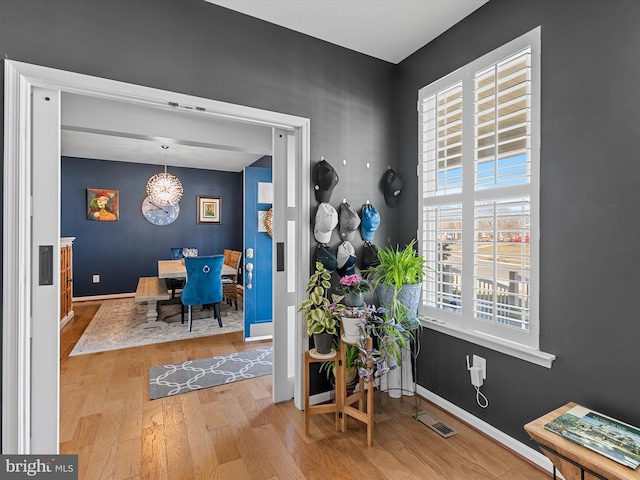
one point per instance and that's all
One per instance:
(175, 283)
(204, 284)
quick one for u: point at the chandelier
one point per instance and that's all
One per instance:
(164, 188)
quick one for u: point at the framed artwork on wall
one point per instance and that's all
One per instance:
(209, 209)
(102, 204)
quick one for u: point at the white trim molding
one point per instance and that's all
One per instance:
(16, 255)
(502, 438)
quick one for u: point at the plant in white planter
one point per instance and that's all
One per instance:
(388, 337)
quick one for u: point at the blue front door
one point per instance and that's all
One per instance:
(258, 256)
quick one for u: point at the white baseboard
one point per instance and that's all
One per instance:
(67, 318)
(321, 397)
(511, 443)
(103, 297)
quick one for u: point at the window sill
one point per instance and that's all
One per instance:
(522, 352)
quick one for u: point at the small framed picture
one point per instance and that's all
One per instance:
(102, 204)
(209, 209)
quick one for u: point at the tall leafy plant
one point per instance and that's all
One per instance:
(321, 314)
(397, 267)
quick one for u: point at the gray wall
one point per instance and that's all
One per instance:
(589, 211)
(590, 133)
(194, 47)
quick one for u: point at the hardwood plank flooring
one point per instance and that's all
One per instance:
(234, 431)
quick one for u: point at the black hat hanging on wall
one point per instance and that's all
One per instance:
(391, 187)
(325, 179)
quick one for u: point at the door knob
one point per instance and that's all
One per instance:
(249, 268)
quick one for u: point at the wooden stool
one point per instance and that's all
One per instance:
(364, 411)
(323, 407)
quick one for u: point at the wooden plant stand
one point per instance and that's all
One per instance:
(342, 407)
(363, 397)
(323, 407)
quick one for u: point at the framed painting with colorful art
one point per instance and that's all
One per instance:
(102, 204)
(209, 209)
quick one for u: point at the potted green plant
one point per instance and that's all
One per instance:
(351, 370)
(369, 359)
(321, 314)
(383, 353)
(397, 280)
(353, 286)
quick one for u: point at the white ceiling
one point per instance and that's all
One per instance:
(389, 30)
(110, 130)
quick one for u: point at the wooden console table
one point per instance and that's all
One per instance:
(572, 460)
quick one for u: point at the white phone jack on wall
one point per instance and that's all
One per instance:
(478, 373)
(477, 370)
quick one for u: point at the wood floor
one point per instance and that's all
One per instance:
(235, 431)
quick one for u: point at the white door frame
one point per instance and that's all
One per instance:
(19, 396)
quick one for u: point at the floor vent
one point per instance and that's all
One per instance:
(434, 424)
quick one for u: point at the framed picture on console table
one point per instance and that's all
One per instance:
(209, 209)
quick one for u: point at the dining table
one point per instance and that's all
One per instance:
(176, 269)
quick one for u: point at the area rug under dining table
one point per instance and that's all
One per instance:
(118, 324)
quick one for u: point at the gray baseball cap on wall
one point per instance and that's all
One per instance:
(349, 222)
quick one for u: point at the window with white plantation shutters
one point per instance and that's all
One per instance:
(502, 115)
(479, 202)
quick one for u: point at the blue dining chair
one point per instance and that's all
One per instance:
(203, 285)
(175, 283)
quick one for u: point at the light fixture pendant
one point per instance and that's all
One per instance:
(164, 188)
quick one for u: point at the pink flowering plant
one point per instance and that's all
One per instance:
(353, 284)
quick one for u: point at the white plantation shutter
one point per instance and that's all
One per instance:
(479, 195)
(502, 117)
(442, 132)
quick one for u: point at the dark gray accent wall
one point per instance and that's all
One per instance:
(589, 272)
(194, 47)
(590, 119)
(200, 49)
(129, 248)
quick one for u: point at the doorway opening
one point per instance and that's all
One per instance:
(30, 406)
